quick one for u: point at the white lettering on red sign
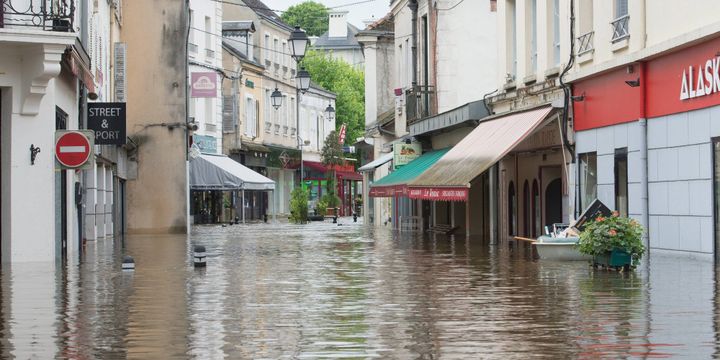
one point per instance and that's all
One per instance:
(701, 81)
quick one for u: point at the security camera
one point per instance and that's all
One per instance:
(192, 126)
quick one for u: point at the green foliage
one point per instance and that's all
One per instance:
(604, 234)
(330, 197)
(321, 206)
(299, 206)
(309, 15)
(348, 83)
(332, 152)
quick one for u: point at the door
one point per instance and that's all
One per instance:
(61, 213)
(553, 202)
(716, 195)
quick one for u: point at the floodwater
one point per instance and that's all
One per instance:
(322, 290)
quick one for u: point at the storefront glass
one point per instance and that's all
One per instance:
(588, 179)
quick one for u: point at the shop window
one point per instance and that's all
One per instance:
(536, 220)
(588, 179)
(716, 195)
(512, 210)
(621, 181)
(526, 209)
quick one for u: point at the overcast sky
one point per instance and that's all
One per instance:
(357, 13)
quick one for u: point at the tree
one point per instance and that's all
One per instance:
(348, 83)
(332, 156)
(309, 15)
(299, 205)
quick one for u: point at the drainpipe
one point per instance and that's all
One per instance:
(644, 198)
(414, 7)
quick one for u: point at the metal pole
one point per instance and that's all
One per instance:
(243, 205)
(297, 136)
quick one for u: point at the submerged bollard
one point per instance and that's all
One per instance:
(128, 263)
(335, 219)
(354, 217)
(199, 256)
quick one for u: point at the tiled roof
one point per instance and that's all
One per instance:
(266, 13)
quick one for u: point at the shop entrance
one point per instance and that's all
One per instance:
(553, 202)
(61, 213)
(716, 195)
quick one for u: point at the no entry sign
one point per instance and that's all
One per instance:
(72, 148)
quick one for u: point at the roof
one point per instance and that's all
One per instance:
(371, 166)
(386, 23)
(266, 13)
(348, 42)
(219, 172)
(412, 170)
(241, 26)
(235, 47)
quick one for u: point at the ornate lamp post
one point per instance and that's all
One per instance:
(298, 43)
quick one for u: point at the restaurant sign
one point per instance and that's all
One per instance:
(405, 153)
(439, 194)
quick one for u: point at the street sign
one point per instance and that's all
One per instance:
(107, 120)
(341, 138)
(72, 148)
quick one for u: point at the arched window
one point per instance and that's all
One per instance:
(526, 209)
(536, 220)
(512, 210)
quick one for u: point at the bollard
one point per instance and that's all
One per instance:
(335, 219)
(237, 220)
(199, 256)
(128, 263)
(265, 218)
(354, 217)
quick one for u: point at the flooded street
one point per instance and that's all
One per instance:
(322, 290)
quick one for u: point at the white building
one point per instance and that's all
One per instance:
(43, 81)
(205, 56)
(314, 123)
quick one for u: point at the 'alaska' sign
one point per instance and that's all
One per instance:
(701, 80)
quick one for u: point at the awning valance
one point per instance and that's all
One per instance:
(219, 172)
(371, 166)
(396, 183)
(478, 151)
(345, 172)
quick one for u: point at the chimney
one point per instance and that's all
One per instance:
(368, 22)
(338, 24)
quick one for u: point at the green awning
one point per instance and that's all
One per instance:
(396, 180)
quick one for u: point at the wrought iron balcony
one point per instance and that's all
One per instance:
(621, 30)
(585, 43)
(50, 15)
(419, 101)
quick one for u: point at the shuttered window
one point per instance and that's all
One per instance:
(120, 70)
(229, 117)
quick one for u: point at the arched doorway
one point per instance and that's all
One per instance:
(512, 210)
(536, 214)
(553, 202)
(526, 209)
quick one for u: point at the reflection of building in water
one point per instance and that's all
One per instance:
(206, 308)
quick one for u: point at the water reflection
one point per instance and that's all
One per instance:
(286, 291)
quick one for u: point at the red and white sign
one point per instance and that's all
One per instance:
(341, 138)
(439, 194)
(203, 84)
(72, 149)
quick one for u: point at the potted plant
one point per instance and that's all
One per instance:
(613, 242)
(299, 206)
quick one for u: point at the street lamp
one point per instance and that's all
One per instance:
(329, 112)
(276, 98)
(298, 43)
(303, 80)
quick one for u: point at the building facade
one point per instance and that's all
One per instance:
(340, 40)
(644, 116)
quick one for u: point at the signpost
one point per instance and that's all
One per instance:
(73, 148)
(107, 120)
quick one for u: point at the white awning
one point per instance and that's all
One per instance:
(479, 150)
(376, 163)
(219, 172)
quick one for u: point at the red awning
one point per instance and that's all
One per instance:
(389, 191)
(439, 193)
(344, 172)
(347, 175)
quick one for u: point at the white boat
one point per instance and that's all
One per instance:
(561, 249)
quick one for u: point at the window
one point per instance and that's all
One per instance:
(408, 63)
(532, 14)
(283, 57)
(250, 118)
(268, 54)
(588, 179)
(621, 181)
(251, 49)
(585, 40)
(276, 49)
(208, 33)
(191, 35)
(512, 207)
(621, 8)
(511, 40)
(209, 118)
(398, 71)
(291, 110)
(620, 25)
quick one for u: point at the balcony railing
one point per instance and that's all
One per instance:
(50, 15)
(419, 101)
(585, 43)
(620, 28)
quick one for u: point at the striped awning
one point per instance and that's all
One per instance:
(396, 183)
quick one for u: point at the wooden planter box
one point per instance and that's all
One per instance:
(614, 259)
(332, 212)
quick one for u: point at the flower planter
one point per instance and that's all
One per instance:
(332, 212)
(613, 259)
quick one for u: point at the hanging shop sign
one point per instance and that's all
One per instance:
(439, 194)
(405, 153)
(341, 138)
(203, 84)
(108, 122)
(73, 148)
(206, 144)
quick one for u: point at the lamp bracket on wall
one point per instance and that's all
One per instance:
(33, 153)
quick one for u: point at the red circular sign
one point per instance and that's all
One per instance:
(72, 149)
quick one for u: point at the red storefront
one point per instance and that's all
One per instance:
(647, 143)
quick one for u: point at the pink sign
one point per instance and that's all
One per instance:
(203, 85)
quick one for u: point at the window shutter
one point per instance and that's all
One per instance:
(228, 116)
(120, 84)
